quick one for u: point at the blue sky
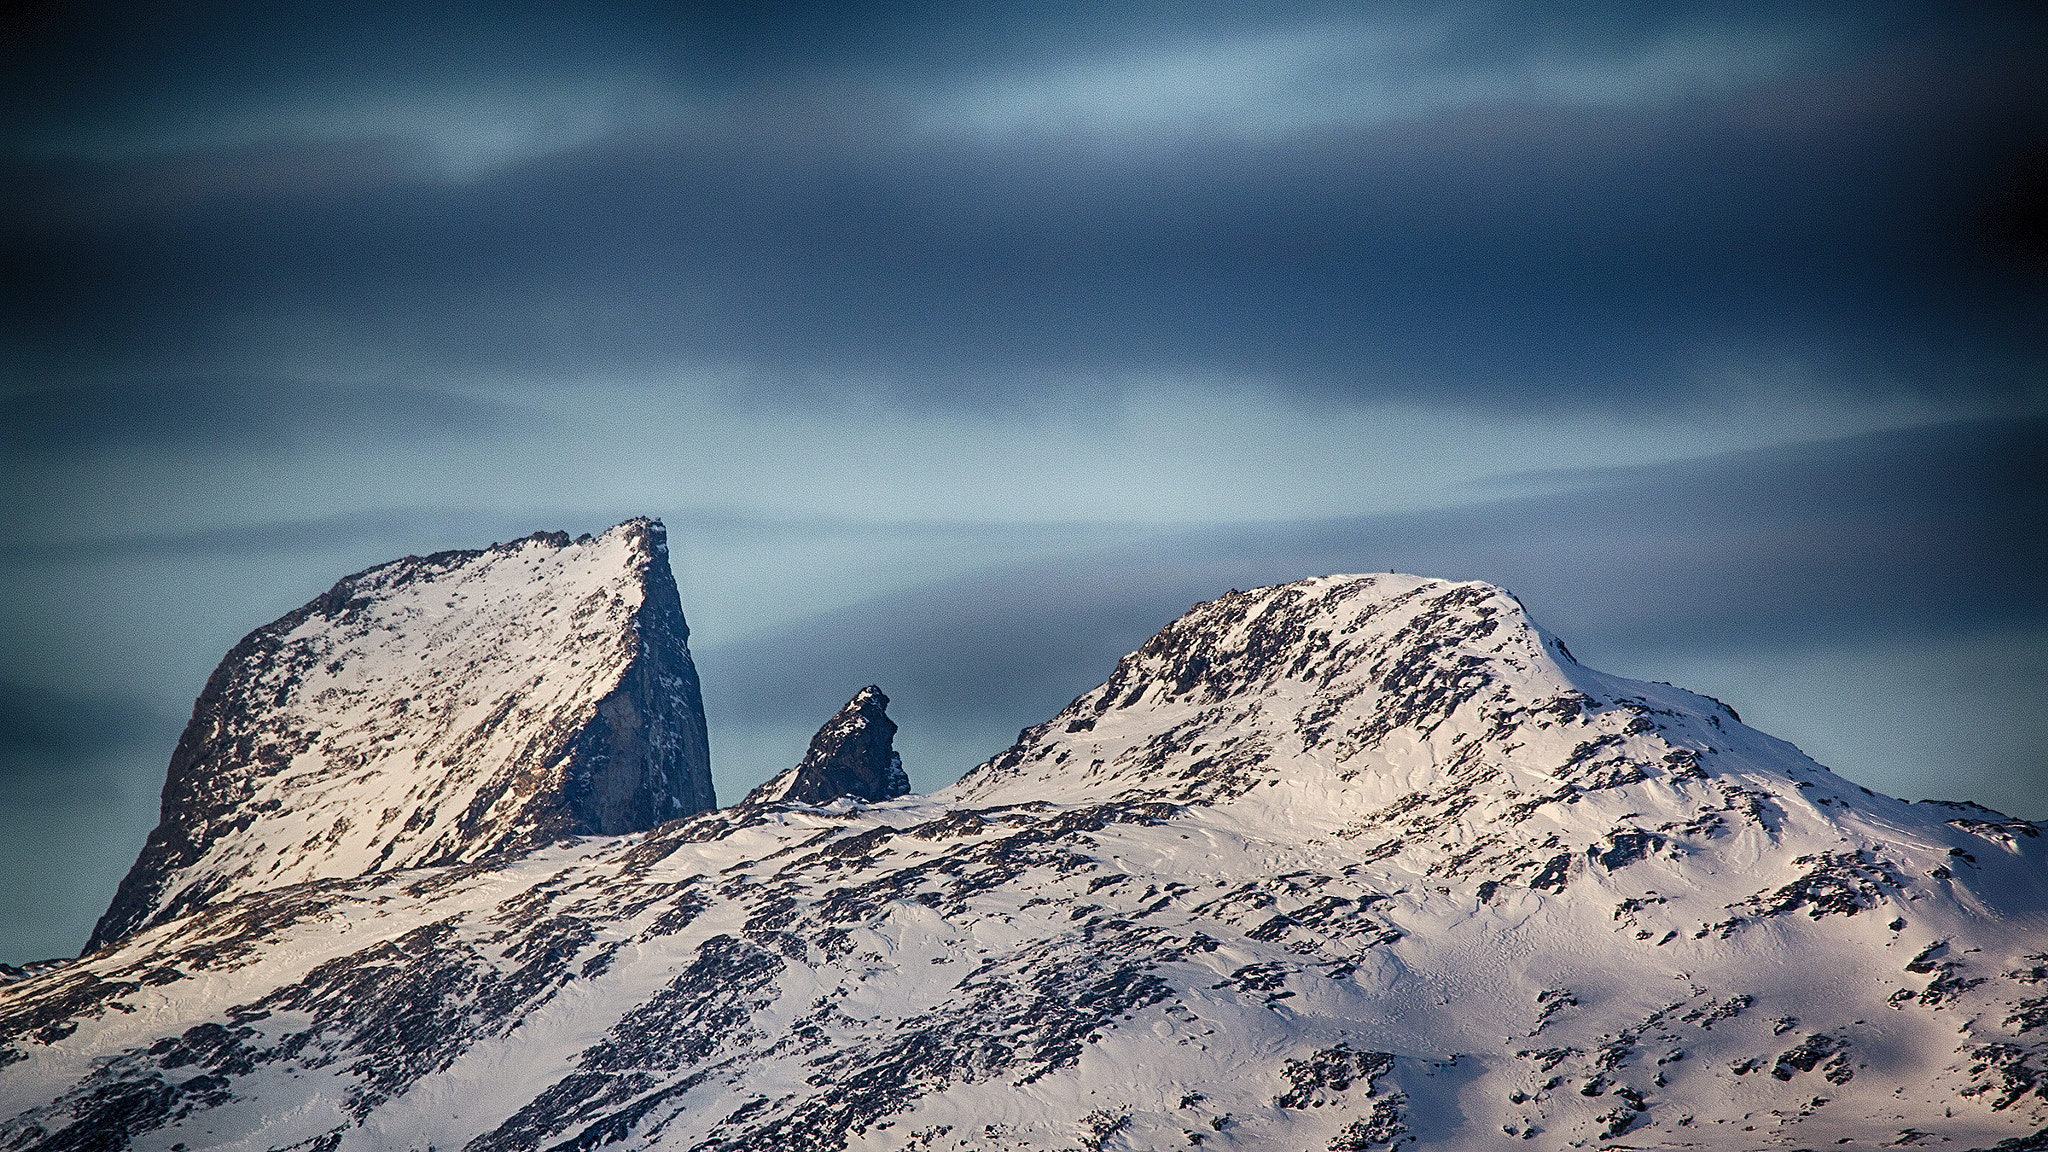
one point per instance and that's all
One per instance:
(960, 350)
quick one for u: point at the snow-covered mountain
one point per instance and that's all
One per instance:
(434, 710)
(1344, 864)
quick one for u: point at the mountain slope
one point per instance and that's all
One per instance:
(431, 710)
(1351, 863)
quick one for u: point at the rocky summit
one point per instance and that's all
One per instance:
(433, 710)
(852, 755)
(1354, 863)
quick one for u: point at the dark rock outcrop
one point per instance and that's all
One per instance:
(852, 755)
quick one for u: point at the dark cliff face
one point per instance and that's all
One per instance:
(645, 757)
(852, 755)
(433, 710)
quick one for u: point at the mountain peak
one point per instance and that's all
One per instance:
(1339, 665)
(434, 709)
(1421, 718)
(852, 755)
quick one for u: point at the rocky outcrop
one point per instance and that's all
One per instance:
(433, 710)
(852, 755)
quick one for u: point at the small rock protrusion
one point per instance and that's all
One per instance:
(852, 755)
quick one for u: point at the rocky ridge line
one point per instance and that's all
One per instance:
(1352, 864)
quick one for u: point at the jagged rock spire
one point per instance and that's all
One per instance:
(850, 756)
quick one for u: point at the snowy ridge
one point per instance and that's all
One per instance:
(1348, 864)
(1436, 728)
(432, 710)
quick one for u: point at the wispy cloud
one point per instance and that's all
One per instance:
(245, 413)
(1279, 81)
(457, 133)
(395, 527)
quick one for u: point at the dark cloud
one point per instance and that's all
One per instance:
(74, 769)
(39, 728)
(94, 60)
(389, 531)
(431, 529)
(808, 232)
(245, 414)
(1923, 528)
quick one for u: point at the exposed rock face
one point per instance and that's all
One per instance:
(852, 755)
(433, 710)
(1351, 864)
